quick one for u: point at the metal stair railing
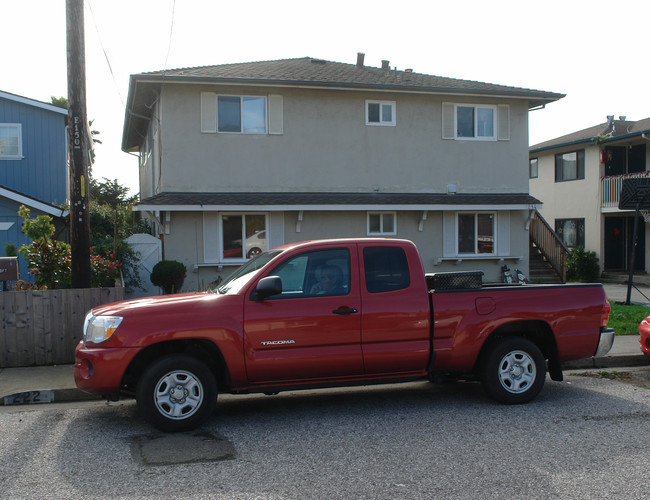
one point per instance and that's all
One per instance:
(549, 244)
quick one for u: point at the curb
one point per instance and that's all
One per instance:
(608, 362)
(48, 396)
(73, 394)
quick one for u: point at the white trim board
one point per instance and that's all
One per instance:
(328, 208)
(31, 202)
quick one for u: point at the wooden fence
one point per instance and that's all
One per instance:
(42, 327)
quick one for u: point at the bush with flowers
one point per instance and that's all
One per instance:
(49, 260)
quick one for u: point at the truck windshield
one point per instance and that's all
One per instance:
(237, 279)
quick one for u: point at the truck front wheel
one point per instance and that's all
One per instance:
(176, 393)
(513, 371)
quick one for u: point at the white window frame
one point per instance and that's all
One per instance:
(221, 239)
(381, 231)
(495, 232)
(19, 133)
(476, 136)
(241, 114)
(382, 123)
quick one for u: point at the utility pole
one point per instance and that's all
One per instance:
(79, 142)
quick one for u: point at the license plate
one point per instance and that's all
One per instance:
(29, 397)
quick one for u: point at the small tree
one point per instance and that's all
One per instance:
(48, 260)
(169, 275)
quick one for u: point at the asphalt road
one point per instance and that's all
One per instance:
(584, 438)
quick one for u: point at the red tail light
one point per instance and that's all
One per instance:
(605, 317)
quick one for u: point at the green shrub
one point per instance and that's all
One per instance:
(582, 266)
(169, 275)
(49, 260)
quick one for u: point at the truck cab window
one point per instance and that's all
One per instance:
(319, 273)
(386, 269)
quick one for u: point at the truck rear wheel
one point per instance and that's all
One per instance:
(176, 393)
(513, 370)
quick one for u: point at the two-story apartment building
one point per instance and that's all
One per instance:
(238, 158)
(579, 178)
(33, 165)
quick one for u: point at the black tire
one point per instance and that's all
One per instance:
(513, 370)
(176, 393)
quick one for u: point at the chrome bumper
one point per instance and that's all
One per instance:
(605, 342)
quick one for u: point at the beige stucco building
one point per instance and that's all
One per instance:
(579, 178)
(239, 158)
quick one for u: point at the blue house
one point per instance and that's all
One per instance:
(33, 165)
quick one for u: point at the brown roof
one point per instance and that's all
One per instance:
(318, 72)
(314, 73)
(603, 132)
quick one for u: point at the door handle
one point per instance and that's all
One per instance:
(345, 310)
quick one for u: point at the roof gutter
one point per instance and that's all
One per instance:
(641, 134)
(592, 141)
(562, 145)
(329, 208)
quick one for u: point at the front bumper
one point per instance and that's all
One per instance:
(644, 335)
(605, 342)
(100, 370)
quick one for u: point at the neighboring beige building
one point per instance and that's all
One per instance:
(238, 158)
(579, 177)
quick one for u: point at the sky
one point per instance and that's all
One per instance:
(593, 51)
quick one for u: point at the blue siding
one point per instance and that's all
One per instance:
(14, 235)
(41, 173)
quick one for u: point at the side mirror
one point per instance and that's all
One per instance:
(267, 287)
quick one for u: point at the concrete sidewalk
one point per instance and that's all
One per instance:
(640, 294)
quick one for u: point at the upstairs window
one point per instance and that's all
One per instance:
(533, 172)
(476, 233)
(241, 114)
(11, 147)
(570, 166)
(380, 113)
(475, 122)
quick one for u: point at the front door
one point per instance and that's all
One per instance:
(312, 330)
(619, 233)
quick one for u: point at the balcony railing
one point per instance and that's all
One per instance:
(610, 188)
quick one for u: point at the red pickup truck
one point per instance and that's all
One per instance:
(331, 313)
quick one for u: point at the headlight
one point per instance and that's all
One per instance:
(97, 329)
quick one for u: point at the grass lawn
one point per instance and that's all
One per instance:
(625, 319)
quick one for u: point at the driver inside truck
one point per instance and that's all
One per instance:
(330, 281)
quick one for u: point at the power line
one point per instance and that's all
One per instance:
(108, 62)
(171, 29)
